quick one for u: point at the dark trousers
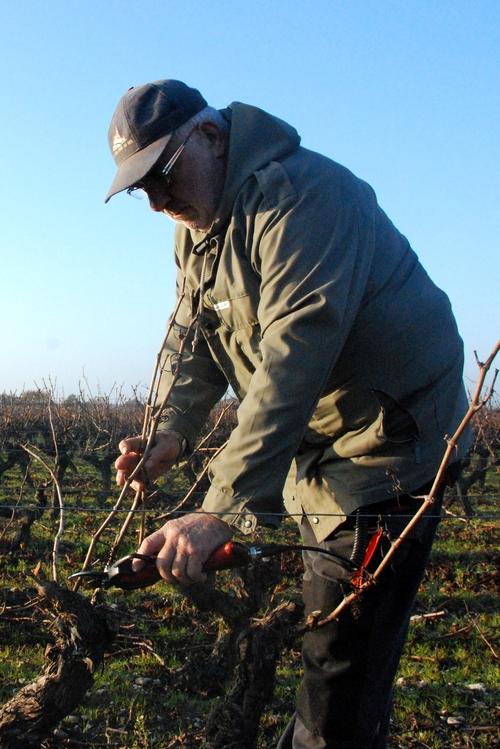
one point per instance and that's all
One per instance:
(344, 700)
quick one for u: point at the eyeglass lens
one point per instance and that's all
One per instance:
(139, 193)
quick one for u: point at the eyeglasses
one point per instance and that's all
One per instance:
(139, 191)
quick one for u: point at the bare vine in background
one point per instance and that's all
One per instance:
(477, 402)
(57, 487)
(56, 472)
(60, 530)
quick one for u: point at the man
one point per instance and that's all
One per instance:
(297, 291)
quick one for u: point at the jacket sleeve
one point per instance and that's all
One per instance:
(200, 384)
(313, 253)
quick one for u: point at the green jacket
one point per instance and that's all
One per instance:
(343, 353)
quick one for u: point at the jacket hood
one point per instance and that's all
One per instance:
(256, 138)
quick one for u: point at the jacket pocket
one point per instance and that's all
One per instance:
(398, 425)
(355, 421)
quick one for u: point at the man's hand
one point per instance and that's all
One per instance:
(183, 545)
(163, 455)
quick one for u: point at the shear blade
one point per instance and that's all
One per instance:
(90, 574)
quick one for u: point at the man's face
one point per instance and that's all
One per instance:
(191, 193)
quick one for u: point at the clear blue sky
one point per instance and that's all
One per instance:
(406, 94)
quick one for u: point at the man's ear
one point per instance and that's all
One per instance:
(215, 136)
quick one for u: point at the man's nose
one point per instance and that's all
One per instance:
(158, 198)
(155, 205)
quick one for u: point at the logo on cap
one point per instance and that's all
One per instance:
(120, 142)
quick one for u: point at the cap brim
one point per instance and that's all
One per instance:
(137, 166)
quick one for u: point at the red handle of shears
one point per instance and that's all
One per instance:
(122, 575)
(229, 555)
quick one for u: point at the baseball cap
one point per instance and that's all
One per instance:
(142, 125)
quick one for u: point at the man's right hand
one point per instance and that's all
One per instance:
(164, 453)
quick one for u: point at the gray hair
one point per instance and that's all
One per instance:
(208, 114)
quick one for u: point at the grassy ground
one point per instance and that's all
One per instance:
(158, 685)
(446, 692)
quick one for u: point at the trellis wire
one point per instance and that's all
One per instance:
(143, 510)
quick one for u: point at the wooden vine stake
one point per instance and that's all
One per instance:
(477, 402)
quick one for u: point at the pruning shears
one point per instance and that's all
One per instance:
(120, 574)
(232, 554)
